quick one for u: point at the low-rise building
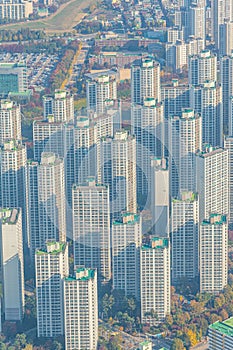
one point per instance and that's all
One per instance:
(221, 335)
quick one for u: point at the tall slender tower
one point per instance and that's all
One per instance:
(12, 263)
(160, 197)
(226, 35)
(197, 21)
(228, 144)
(184, 135)
(91, 227)
(51, 197)
(33, 219)
(206, 99)
(213, 254)
(226, 74)
(145, 80)
(126, 242)
(118, 169)
(51, 266)
(147, 125)
(81, 310)
(221, 10)
(13, 179)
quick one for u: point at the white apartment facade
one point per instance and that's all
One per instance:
(51, 265)
(81, 310)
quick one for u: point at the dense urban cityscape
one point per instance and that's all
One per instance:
(116, 174)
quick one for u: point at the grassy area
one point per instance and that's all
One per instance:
(79, 104)
(67, 16)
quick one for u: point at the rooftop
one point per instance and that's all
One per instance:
(186, 197)
(209, 151)
(215, 219)
(146, 342)
(9, 216)
(82, 274)
(127, 219)
(59, 247)
(157, 243)
(225, 327)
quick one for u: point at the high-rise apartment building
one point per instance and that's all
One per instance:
(176, 55)
(46, 201)
(101, 90)
(206, 99)
(160, 197)
(117, 168)
(10, 121)
(212, 182)
(81, 310)
(147, 125)
(145, 80)
(228, 144)
(51, 198)
(221, 10)
(48, 136)
(184, 235)
(202, 68)
(51, 266)
(185, 139)
(226, 35)
(155, 281)
(13, 160)
(175, 97)
(213, 254)
(194, 46)
(85, 140)
(91, 227)
(226, 76)
(60, 105)
(12, 263)
(197, 21)
(33, 219)
(174, 34)
(126, 242)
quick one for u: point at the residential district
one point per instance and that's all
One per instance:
(116, 176)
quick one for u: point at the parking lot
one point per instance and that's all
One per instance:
(40, 66)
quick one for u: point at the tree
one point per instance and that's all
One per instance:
(169, 320)
(203, 325)
(56, 345)
(131, 305)
(196, 306)
(224, 314)
(20, 341)
(214, 318)
(177, 344)
(2, 346)
(107, 304)
(192, 337)
(113, 344)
